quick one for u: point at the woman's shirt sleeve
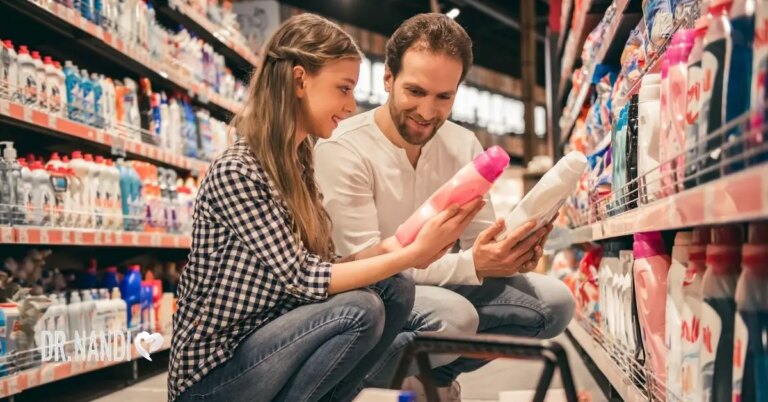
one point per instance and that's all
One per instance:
(241, 197)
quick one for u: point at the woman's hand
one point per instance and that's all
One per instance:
(440, 233)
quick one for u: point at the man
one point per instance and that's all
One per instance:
(380, 166)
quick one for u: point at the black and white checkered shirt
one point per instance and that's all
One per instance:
(245, 268)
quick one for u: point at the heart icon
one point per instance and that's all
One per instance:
(156, 341)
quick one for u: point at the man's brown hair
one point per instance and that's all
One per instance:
(433, 32)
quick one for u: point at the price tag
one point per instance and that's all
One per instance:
(28, 114)
(78, 240)
(66, 237)
(23, 236)
(7, 235)
(118, 147)
(13, 385)
(53, 121)
(97, 238)
(4, 108)
(46, 374)
(44, 238)
(134, 239)
(156, 240)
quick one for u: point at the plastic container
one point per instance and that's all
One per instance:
(74, 91)
(673, 324)
(9, 73)
(42, 99)
(651, 270)
(472, 181)
(750, 365)
(130, 288)
(98, 112)
(648, 136)
(43, 199)
(693, 113)
(9, 315)
(109, 279)
(121, 310)
(758, 92)
(718, 312)
(81, 193)
(667, 184)
(60, 187)
(27, 77)
(675, 143)
(715, 62)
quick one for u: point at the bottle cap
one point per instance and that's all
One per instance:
(88, 157)
(77, 155)
(36, 55)
(683, 238)
(47, 60)
(99, 159)
(491, 163)
(648, 244)
(55, 156)
(23, 50)
(758, 233)
(727, 235)
(8, 44)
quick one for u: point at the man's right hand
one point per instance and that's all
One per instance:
(515, 253)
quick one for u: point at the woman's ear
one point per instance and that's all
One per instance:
(299, 77)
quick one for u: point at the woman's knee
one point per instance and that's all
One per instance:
(560, 306)
(400, 291)
(363, 310)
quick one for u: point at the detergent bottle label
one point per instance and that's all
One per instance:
(711, 327)
(740, 342)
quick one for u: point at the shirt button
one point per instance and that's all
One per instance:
(196, 322)
(294, 291)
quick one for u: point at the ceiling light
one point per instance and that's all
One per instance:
(453, 13)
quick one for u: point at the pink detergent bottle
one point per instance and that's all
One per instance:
(472, 181)
(651, 270)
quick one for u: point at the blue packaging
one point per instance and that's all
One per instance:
(659, 23)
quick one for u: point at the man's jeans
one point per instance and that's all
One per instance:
(531, 305)
(318, 351)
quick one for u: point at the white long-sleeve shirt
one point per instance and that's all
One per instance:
(370, 188)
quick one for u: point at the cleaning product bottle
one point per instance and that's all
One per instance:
(114, 198)
(673, 328)
(717, 312)
(42, 100)
(59, 90)
(81, 192)
(25, 193)
(739, 79)
(27, 77)
(125, 193)
(759, 74)
(131, 291)
(648, 137)
(145, 105)
(715, 61)
(472, 181)
(156, 292)
(9, 74)
(174, 139)
(109, 279)
(156, 119)
(131, 105)
(100, 183)
(60, 187)
(108, 103)
(74, 94)
(92, 187)
(10, 178)
(98, 112)
(627, 261)
(165, 122)
(679, 52)
(43, 197)
(86, 87)
(75, 316)
(651, 270)
(751, 330)
(608, 267)
(667, 183)
(89, 279)
(146, 306)
(51, 81)
(88, 311)
(546, 198)
(120, 308)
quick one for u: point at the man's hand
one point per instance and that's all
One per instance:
(517, 253)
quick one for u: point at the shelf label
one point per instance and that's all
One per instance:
(118, 147)
(6, 234)
(46, 373)
(156, 240)
(78, 239)
(66, 237)
(13, 385)
(53, 121)
(23, 236)
(28, 114)
(44, 238)
(4, 108)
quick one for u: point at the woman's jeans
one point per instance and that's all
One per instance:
(320, 351)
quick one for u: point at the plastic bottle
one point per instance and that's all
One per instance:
(121, 309)
(145, 105)
(739, 79)
(627, 261)
(156, 292)
(115, 199)
(88, 311)
(109, 279)
(9, 73)
(51, 83)
(472, 181)
(27, 77)
(74, 94)
(651, 270)
(131, 291)
(664, 127)
(75, 316)
(101, 184)
(759, 74)
(648, 136)
(693, 113)
(60, 316)
(715, 62)
(146, 306)
(717, 312)
(156, 119)
(108, 103)
(673, 328)
(42, 99)
(98, 112)
(25, 193)
(104, 312)
(609, 266)
(88, 97)
(81, 193)
(165, 122)
(60, 188)
(10, 176)
(125, 194)
(191, 146)
(751, 327)
(174, 139)
(679, 52)
(131, 105)
(59, 90)
(86, 9)
(43, 198)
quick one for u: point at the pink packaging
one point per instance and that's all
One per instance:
(679, 50)
(472, 181)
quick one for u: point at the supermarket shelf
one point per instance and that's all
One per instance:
(627, 17)
(230, 44)
(42, 121)
(49, 236)
(67, 22)
(580, 235)
(601, 358)
(51, 372)
(738, 197)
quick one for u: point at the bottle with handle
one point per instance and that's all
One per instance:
(472, 181)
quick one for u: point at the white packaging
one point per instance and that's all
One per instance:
(648, 136)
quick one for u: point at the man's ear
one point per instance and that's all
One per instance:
(389, 79)
(299, 77)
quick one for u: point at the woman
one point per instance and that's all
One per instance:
(267, 311)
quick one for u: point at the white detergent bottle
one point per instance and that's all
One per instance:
(121, 309)
(75, 316)
(174, 139)
(102, 312)
(93, 187)
(673, 327)
(81, 191)
(42, 195)
(60, 186)
(627, 260)
(27, 83)
(25, 193)
(61, 317)
(648, 137)
(109, 103)
(690, 331)
(88, 312)
(42, 100)
(51, 87)
(100, 183)
(9, 79)
(59, 91)
(116, 196)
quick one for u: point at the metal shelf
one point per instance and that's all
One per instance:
(54, 236)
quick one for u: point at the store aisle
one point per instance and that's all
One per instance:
(514, 379)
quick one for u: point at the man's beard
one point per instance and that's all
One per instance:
(401, 123)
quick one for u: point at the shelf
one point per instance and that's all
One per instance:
(67, 22)
(229, 43)
(49, 236)
(738, 197)
(601, 358)
(51, 372)
(627, 17)
(46, 122)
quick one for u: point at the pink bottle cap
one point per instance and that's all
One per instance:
(758, 233)
(648, 245)
(491, 163)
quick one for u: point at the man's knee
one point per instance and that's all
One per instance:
(443, 311)
(560, 306)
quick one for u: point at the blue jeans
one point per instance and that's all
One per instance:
(530, 305)
(318, 351)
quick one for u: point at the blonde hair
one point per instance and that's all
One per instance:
(269, 121)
